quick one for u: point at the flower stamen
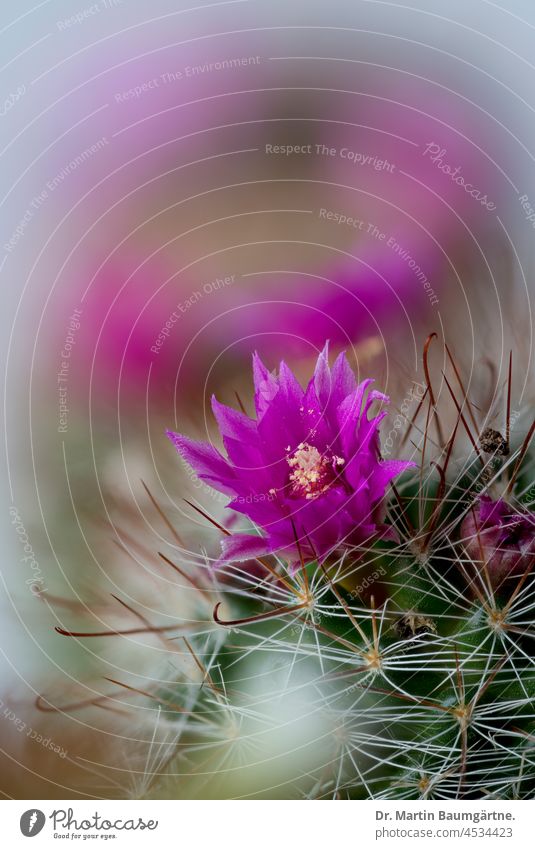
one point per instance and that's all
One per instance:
(312, 472)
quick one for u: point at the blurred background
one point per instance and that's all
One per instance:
(183, 184)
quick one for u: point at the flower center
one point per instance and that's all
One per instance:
(311, 472)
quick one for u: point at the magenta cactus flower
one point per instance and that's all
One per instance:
(307, 471)
(501, 538)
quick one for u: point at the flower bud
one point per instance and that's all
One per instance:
(494, 535)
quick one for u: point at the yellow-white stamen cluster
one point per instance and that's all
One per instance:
(312, 472)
